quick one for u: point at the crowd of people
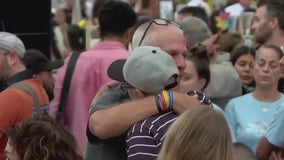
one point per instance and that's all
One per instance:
(150, 87)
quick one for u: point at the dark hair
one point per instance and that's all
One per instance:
(76, 37)
(115, 18)
(260, 3)
(275, 9)
(42, 137)
(195, 12)
(97, 6)
(212, 21)
(242, 50)
(273, 47)
(145, 3)
(199, 57)
(281, 85)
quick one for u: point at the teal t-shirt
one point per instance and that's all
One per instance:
(250, 118)
(275, 133)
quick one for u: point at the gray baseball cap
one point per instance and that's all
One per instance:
(11, 42)
(147, 68)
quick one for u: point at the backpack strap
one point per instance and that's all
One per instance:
(66, 84)
(28, 89)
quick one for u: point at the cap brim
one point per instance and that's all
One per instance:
(56, 64)
(115, 70)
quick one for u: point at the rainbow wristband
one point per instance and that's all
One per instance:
(158, 104)
(171, 95)
(163, 102)
(166, 98)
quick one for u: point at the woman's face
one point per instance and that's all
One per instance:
(244, 66)
(190, 80)
(267, 70)
(11, 153)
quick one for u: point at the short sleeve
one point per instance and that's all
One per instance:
(275, 131)
(231, 117)
(110, 98)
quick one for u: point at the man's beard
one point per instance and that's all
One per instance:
(48, 91)
(263, 38)
(50, 96)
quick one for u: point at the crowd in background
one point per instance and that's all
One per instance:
(146, 80)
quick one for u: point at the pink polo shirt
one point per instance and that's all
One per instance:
(89, 75)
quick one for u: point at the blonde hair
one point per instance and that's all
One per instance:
(201, 133)
(241, 151)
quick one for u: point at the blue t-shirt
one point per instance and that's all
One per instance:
(275, 133)
(249, 118)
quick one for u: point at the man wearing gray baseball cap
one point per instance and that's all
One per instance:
(16, 103)
(110, 119)
(147, 71)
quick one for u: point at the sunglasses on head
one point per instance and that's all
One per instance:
(161, 22)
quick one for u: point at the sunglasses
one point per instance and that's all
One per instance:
(161, 22)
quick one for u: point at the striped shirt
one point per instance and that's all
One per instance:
(144, 139)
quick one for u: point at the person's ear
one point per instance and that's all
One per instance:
(129, 33)
(202, 83)
(13, 58)
(274, 23)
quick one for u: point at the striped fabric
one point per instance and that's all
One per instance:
(144, 139)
